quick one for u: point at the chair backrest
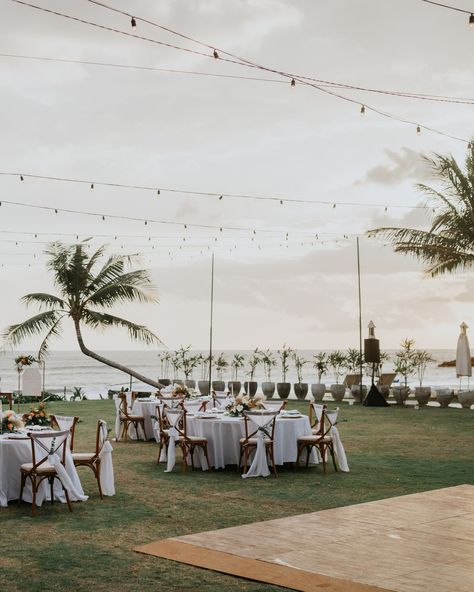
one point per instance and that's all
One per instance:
(66, 422)
(161, 419)
(219, 399)
(192, 406)
(316, 412)
(102, 435)
(256, 421)
(176, 417)
(329, 420)
(274, 405)
(172, 401)
(45, 444)
(124, 409)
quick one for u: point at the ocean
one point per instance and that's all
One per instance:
(65, 370)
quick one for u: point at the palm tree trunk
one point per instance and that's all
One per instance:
(86, 351)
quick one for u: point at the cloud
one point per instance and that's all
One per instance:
(404, 165)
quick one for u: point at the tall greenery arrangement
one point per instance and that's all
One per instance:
(285, 353)
(421, 359)
(237, 362)
(269, 362)
(299, 362)
(405, 359)
(337, 362)
(254, 360)
(221, 365)
(320, 364)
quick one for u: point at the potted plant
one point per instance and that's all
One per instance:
(421, 359)
(283, 387)
(269, 362)
(176, 364)
(354, 362)
(320, 364)
(221, 365)
(165, 358)
(444, 396)
(337, 362)
(404, 365)
(254, 360)
(187, 364)
(300, 387)
(236, 363)
(203, 384)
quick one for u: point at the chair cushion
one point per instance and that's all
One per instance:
(196, 439)
(83, 455)
(135, 417)
(310, 439)
(44, 468)
(253, 441)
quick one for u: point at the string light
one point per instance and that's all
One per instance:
(92, 185)
(293, 82)
(22, 178)
(418, 129)
(133, 23)
(220, 197)
(362, 110)
(215, 55)
(158, 192)
(471, 20)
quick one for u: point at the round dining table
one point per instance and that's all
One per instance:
(15, 449)
(224, 432)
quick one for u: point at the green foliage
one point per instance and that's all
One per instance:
(338, 363)
(221, 365)
(237, 362)
(405, 359)
(320, 364)
(254, 360)
(421, 359)
(448, 246)
(285, 353)
(299, 363)
(354, 360)
(269, 362)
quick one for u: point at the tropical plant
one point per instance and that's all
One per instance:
(206, 362)
(78, 393)
(448, 245)
(221, 365)
(404, 359)
(237, 362)
(337, 362)
(421, 359)
(165, 359)
(269, 362)
(176, 363)
(285, 353)
(354, 360)
(384, 357)
(321, 364)
(185, 361)
(299, 363)
(254, 360)
(87, 287)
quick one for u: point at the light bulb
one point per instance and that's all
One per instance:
(133, 22)
(362, 110)
(418, 129)
(216, 55)
(293, 82)
(471, 20)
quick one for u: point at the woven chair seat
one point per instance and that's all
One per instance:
(196, 439)
(83, 455)
(44, 468)
(311, 439)
(253, 441)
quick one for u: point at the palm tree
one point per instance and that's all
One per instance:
(87, 286)
(448, 245)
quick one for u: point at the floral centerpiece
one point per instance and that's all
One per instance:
(244, 403)
(10, 422)
(181, 391)
(38, 416)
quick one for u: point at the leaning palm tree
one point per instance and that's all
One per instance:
(87, 287)
(448, 245)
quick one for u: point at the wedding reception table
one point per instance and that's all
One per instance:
(145, 407)
(16, 450)
(224, 432)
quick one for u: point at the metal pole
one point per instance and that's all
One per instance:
(360, 318)
(210, 326)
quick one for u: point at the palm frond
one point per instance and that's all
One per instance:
(44, 301)
(134, 286)
(53, 332)
(102, 320)
(15, 334)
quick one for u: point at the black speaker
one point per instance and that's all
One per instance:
(372, 351)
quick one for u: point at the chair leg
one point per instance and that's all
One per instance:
(322, 452)
(23, 480)
(272, 457)
(33, 500)
(191, 452)
(97, 476)
(331, 448)
(240, 459)
(207, 457)
(68, 500)
(308, 452)
(51, 488)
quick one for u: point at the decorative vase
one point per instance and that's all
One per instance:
(218, 385)
(337, 391)
(423, 394)
(283, 389)
(318, 391)
(268, 389)
(400, 394)
(234, 387)
(444, 396)
(355, 392)
(301, 390)
(203, 386)
(466, 398)
(250, 387)
(190, 383)
(164, 381)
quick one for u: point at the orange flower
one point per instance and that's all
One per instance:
(10, 426)
(42, 414)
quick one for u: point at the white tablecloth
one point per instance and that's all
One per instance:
(15, 452)
(223, 437)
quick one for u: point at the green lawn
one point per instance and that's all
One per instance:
(391, 451)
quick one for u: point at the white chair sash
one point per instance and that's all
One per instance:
(107, 481)
(259, 466)
(336, 439)
(173, 416)
(273, 405)
(117, 402)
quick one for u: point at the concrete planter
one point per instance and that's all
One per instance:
(164, 381)
(190, 383)
(203, 386)
(400, 394)
(337, 391)
(218, 385)
(301, 390)
(422, 394)
(444, 397)
(250, 387)
(234, 387)
(466, 398)
(355, 392)
(283, 389)
(268, 389)
(318, 391)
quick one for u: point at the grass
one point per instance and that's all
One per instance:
(391, 451)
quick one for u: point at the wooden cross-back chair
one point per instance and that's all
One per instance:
(127, 419)
(249, 442)
(40, 468)
(187, 443)
(163, 426)
(321, 440)
(92, 459)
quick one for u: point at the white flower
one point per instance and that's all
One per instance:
(240, 408)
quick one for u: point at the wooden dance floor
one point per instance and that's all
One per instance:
(414, 543)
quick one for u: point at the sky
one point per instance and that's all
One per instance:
(228, 136)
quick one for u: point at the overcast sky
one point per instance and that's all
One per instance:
(226, 136)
